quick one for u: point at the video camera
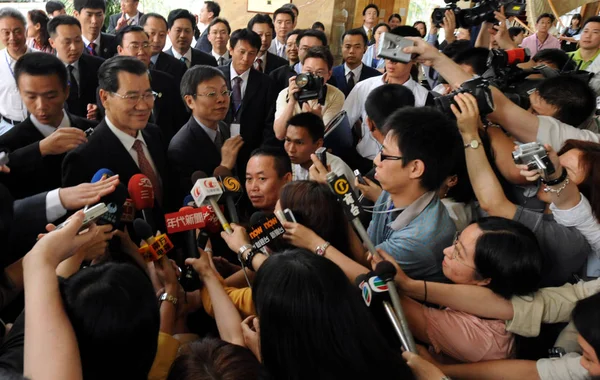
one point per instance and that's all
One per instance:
(468, 18)
(391, 45)
(534, 155)
(478, 87)
(311, 87)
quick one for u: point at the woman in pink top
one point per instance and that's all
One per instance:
(541, 39)
(500, 254)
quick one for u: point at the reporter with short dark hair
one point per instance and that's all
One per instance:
(318, 61)
(268, 170)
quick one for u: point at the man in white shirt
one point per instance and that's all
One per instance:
(396, 73)
(218, 35)
(318, 61)
(304, 135)
(13, 37)
(283, 18)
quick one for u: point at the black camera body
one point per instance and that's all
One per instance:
(478, 87)
(534, 155)
(468, 18)
(311, 87)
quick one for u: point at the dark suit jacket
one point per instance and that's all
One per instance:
(170, 65)
(203, 44)
(199, 58)
(340, 77)
(108, 46)
(30, 172)
(88, 82)
(192, 149)
(104, 150)
(255, 115)
(112, 22)
(274, 62)
(281, 77)
(169, 112)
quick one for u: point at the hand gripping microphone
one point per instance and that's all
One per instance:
(386, 272)
(142, 193)
(114, 202)
(210, 190)
(345, 195)
(374, 290)
(156, 246)
(101, 174)
(232, 191)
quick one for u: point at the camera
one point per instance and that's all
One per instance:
(468, 18)
(535, 157)
(311, 87)
(391, 45)
(478, 87)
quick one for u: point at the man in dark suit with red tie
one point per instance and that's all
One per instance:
(124, 142)
(90, 14)
(265, 61)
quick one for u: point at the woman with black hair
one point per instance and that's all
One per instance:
(496, 253)
(567, 41)
(37, 31)
(312, 323)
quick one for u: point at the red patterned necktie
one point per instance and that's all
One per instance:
(92, 49)
(258, 65)
(147, 170)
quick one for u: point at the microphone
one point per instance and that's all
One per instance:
(264, 230)
(386, 272)
(142, 194)
(156, 246)
(102, 174)
(345, 195)
(190, 280)
(209, 189)
(189, 201)
(373, 288)
(232, 190)
(256, 217)
(114, 202)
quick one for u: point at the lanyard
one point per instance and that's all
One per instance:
(8, 64)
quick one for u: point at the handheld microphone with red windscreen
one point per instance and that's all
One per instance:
(232, 191)
(142, 194)
(209, 189)
(155, 247)
(386, 272)
(101, 174)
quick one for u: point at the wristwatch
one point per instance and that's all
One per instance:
(243, 249)
(320, 250)
(473, 144)
(168, 297)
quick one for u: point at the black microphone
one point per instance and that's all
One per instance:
(256, 217)
(232, 191)
(114, 202)
(386, 272)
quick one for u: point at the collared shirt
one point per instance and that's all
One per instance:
(278, 48)
(128, 142)
(47, 130)
(154, 58)
(334, 102)
(136, 19)
(96, 41)
(576, 55)
(212, 134)
(298, 68)
(338, 166)
(11, 104)
(370, 58)
(217, 56)
(76, 72)
(355, 108)
(357, 71)
(233, 74)
(263, 62)
(187, 55)
(367, 30)
(534, 44)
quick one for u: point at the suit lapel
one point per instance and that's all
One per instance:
(203, 139)
(251, 88)
(156, 151)
(341, 79)
(119, 156)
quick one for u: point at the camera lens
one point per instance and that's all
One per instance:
(302, 80)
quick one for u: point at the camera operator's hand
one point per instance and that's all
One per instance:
(292, 90)
(203, 265)
(92, 111)
(433, 29)
(500, 32)
(370, 191)
(423, 365)
(425, 53)
(449, 26)
(467, 116)
(61, 141)
(318, 172)
(230, 150)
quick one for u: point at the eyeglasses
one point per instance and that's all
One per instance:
(387, 157)
(455, 255)
(135, 46)
(212, 95)
(134, 99)
(18, 32)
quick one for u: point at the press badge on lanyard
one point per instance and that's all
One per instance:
(14, 96)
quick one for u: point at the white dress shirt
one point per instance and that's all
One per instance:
(357, 71)
(277, 48)
(233, 74)
(135, 21)
(212, 134)
(187, 55)
(11, 104)
(338, 166)
(96, 41)
(354, 106)
(225, 56)
(47, 130)
(128, 142)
